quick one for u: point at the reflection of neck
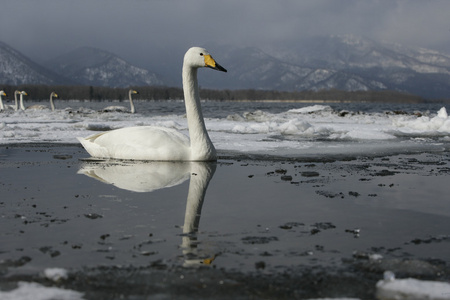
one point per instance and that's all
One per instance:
(201, 174)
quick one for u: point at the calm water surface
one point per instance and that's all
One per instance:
(60, 211)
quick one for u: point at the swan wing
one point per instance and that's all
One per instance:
(139, 143)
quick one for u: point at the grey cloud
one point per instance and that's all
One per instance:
(144, 32)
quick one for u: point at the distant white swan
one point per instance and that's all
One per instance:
(2, 107)
(16, 103)
(21, 93)
(122, 108)
(160, 143)
(40, 106)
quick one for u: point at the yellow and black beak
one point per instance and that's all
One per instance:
(211, 63)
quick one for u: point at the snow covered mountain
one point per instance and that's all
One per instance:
(354, 63)
(91, 66)
(334, 62)
(259, 70)
(338, 62)
(17, 69)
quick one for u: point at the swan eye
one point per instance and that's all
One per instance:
(201, 54)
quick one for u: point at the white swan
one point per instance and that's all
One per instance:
(2, 107)
(159, 143)
(21, 93)
(16, 104)
(122, 108)
(52, 105)
(40, 106)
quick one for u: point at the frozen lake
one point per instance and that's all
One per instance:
(305, 201)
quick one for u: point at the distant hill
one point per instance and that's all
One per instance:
(17, 69)
(91, 66)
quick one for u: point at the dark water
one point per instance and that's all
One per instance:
(216, 109)
(239, 219)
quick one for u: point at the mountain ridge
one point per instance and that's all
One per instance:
(16, 69)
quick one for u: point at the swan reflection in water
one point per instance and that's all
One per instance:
(151, 176)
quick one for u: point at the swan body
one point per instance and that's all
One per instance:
(40, 106)
(159, 143)
(37, 107)
(122, 108)
(139, 143)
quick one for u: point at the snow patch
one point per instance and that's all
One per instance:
(35, 291)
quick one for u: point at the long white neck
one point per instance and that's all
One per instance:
(51, 102)
(202, 148)
(132, 109)
(16, 106)
(22, 107)
(1, 102)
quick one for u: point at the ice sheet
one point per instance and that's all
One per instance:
(311, 130)
(35, 291)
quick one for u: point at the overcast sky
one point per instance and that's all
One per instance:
(142, 31)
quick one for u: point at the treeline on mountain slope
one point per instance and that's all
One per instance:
(96, 93)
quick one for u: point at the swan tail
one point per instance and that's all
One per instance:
(92, 148)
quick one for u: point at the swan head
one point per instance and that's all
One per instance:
(197, 57)
(134, 92)
(53, 94)
(2, 93)
(24, 93)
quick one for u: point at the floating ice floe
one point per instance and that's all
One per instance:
(411, 289)
(311, 109)
(439, 123)
(35, 291)
(56, 274)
